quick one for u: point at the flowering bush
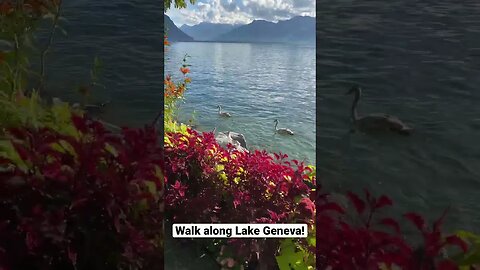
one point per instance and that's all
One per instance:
(173, 92)
(91, 200)
(209, 184)
(373, 241)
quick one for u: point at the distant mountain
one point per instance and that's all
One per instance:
(173, 33)
(300, 29)
(207, 31)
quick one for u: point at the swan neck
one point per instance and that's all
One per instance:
(354, 113)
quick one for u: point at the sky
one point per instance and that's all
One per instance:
(241, 11)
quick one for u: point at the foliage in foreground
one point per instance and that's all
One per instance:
(177, 3)
(30, 111)
(209, 184)
(369, 240)
(91, 200)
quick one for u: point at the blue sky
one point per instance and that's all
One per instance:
(241, 11)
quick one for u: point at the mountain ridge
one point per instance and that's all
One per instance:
(173, 32)
(206, 31)
(299, 29)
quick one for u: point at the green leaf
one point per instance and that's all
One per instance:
(292, 258)
(219, 167)
(151, 186)
(223, 177)
(8, 151)
(312, 240)
(472, 257)
(111, 149)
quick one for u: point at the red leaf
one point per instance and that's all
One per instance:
(383, 201)
(31, 241)
(417, 220)
(5, 161)
(457, 241)
(52, 171)
(391, 223)
(18, 133)
(72, 255)
(357, 202)
(78, 202)
(116, 223)
(79, 123)
(37, 210)
(439, 221)
(273, 215)
(236, 203)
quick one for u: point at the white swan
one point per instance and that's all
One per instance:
(375, 122)
(224, 114)
(236, 139)
(283, 131)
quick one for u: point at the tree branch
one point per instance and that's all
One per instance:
(49, 44)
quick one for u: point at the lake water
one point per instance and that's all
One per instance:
(256, 83)
(420, 61)
(127, 36)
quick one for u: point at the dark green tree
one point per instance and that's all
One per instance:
(177, 3)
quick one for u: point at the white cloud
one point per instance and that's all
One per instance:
(241, 11)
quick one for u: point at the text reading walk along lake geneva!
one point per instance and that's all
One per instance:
(239, 230)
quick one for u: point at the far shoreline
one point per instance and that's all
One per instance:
(247, 42)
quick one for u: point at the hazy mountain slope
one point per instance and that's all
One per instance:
(173, 33)
(296, 30)
(207, 31)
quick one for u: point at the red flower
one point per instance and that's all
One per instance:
(184, 70)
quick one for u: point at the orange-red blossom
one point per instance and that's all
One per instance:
(165, 41)
(184, 70)
(174, 90)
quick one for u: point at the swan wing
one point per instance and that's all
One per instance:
(285, 131)
(239, 138)
(373, 122)
(382, 121)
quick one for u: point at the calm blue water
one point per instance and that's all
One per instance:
(420, 61)
(256, 83)
(128, 37)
